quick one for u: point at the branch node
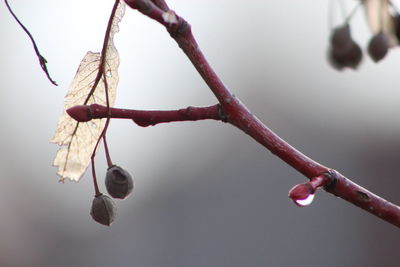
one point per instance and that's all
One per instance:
(332, 175)
(178, 28)
(222, 114)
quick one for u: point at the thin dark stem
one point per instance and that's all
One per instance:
(101, 74)
(238, 115)
(103, 53)
(96, 186)
(41, 58)
(353, 12)
(108, 157)
(103, 134)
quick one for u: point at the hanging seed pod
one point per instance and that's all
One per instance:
(341, 36)
(119, 182)
(344, 52)
(349, 57)
(103, 210)
(378, 46)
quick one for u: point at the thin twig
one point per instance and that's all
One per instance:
(42, 60)
(102, 74)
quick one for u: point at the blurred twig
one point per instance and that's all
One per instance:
(42, 60)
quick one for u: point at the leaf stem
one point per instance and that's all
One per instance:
(108, 157)
(96, 186)
(103, 52)
(101, 74)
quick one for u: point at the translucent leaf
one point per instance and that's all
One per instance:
(78, 140)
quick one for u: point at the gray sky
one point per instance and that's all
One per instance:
(206, 194)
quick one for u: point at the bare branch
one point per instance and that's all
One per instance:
(238, 115)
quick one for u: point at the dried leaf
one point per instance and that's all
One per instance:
(78, 140)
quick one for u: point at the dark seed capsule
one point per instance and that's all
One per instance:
(119, 183)
(341, 36)
(378, 46)
(103, 210)
(349, 56)
(344, 52)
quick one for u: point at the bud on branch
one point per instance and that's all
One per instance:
(303, 194)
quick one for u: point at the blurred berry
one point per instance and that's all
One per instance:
(378, 46)
(344, 52)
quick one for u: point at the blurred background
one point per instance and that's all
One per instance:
(205, 193)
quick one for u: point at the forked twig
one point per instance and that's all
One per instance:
(237, 114)
(42, 60)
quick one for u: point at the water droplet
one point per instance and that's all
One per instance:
(108, 73)
(305, 202)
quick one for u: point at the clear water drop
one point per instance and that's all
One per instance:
(305, 202)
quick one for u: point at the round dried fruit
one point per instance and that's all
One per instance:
(378, 46)
(344, 52)
(118, 182)
(341, 36)
(349, 56)
(103, 209)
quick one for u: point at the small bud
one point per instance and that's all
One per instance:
(103, 210)
(118, 182)
(378, 46)
(80, 113)
(301, 191)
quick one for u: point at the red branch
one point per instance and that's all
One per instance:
(145, 118)
(234, 112)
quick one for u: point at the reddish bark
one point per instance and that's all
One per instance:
(231, 110)
(145, 118)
